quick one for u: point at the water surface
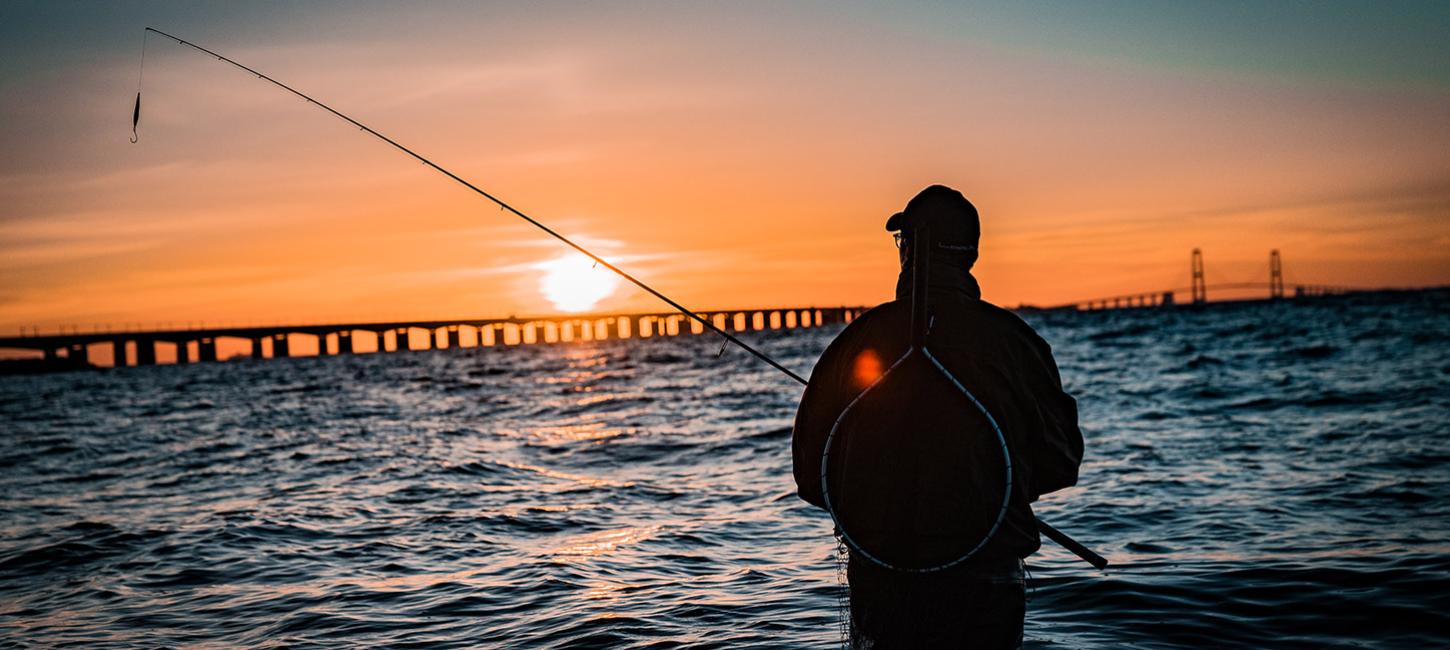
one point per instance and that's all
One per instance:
(1261, 475)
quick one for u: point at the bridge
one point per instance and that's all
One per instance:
(74, 347)
(1198, 290)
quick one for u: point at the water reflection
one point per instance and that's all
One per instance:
(1260, 475)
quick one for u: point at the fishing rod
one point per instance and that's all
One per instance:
(1052, 533)
(136, 118)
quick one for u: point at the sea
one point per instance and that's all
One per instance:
(1260, 475)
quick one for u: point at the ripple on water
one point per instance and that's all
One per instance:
(1261, 475)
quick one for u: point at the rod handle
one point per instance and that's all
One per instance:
(1071, 544)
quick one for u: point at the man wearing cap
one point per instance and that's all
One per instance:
(981, 601)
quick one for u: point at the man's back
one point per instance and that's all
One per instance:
(997, 357)
(1010, 370)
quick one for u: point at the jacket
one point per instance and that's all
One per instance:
(995, 355)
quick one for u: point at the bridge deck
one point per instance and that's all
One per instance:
(72, 346)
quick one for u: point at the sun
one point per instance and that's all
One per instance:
(574, 284)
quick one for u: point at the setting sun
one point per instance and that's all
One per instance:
(574, 284)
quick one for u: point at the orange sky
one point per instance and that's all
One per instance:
(732, 156)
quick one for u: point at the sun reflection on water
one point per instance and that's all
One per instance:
(602, 543)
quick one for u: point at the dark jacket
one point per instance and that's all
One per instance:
(996, 355)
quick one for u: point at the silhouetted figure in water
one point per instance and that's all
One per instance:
(979, 602)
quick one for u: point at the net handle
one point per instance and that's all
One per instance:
(920, 263)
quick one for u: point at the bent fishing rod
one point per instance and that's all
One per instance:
(136, 118)
(1052, 533)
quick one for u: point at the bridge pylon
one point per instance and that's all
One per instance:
(1200, 286)
(1276, 275)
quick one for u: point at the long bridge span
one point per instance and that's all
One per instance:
(75, 347)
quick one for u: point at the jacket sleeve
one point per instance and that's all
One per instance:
(1058, 447)
(827, 394)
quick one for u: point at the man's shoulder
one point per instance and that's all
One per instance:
(873, 320)
(891, 319)
(1009, 320)
(876, 327)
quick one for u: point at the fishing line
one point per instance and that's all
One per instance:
(501, 204)
(1051, 532)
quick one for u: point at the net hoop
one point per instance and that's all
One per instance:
(1001, 439)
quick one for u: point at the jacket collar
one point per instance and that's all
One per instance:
(946, 276)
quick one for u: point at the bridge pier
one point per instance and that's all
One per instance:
(206, 349)
(401, 341)
(79, 355)
(183, 352)
(118, 354)
(145, 352)
(455, 339)
(257, 348)
(344, 343)
(281, 348)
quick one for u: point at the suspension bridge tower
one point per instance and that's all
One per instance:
(1276, 275)
(1200, 287)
